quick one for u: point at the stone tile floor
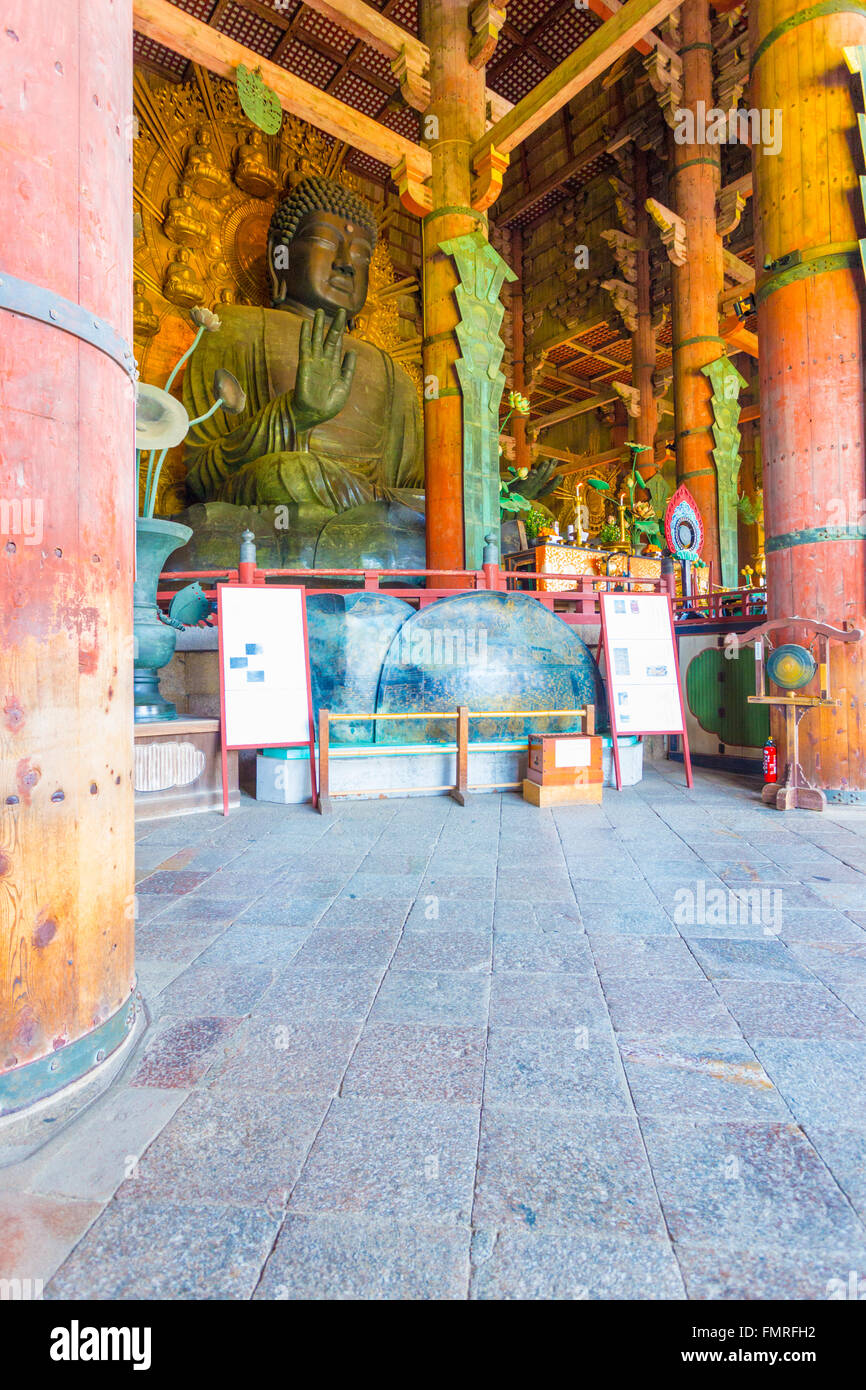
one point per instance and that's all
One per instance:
(425, 1051)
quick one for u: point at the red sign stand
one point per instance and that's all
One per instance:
(310, 741)
(605, 599)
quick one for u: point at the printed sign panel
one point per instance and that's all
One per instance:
(643, 684)
(264, 667)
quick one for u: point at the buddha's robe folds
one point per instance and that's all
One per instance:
(372, 449)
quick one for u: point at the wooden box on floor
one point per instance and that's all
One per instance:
(562, 768)
(177, 768)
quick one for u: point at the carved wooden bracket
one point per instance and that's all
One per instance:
(665, 72)
(486, 21)
(624, 200)
(661, 383)
(731, 206)
(625, 249)
(415, 194)
(489, 172)
(630, 395)
(624, 298)
(411, 77)
(660, 317)
(672, 228)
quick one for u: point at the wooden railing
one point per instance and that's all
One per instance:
(461, 788)
(580, 604)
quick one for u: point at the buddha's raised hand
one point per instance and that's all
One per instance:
(324, 376)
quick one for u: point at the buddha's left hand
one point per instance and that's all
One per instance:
(324, 376)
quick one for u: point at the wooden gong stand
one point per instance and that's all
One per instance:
(795, 789)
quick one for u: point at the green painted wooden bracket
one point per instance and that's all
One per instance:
(727, 384)
(482, 271)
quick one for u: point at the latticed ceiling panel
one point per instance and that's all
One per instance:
(249, 28)
(199, 9)
(354, 91)
(404, 13)
(519, 77)
(566, 33)
(154, 55)
(305, 62)
(319, 27)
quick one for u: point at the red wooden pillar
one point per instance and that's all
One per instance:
(66, 552)
(696, 285)
(811, 365)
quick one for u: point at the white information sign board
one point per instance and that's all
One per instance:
(265, 686)
(643, 679)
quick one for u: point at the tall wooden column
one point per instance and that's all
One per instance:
(457, 114)
(697, 284)
(811, 364)
(643, 341)
(66, 555)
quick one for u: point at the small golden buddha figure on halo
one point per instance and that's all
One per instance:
(253, 174)
(202, 171)
(183, 224)
(181, 284)
(144, 321)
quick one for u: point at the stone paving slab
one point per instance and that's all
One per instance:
(303, 1057)
(669, 1008)
(37, 1233)
(230, 1148)
(544, 1171)
(411, 1033)
(557, 1265)
(574, 1069)
(821, 1081)
(347, 1257)
(796, 1275)
(392, 1159)
(716, 1078)
(772, 1010)
(149, 1249)
(747, 1184)
(430, 996)
(415, 1061)
(747, 960)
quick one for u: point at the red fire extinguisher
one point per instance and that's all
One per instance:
(770, 761)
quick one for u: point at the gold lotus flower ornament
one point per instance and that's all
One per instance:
(518, 402)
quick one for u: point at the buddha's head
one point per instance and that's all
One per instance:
(321, 239)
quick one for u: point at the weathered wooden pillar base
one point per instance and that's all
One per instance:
(42, 1097)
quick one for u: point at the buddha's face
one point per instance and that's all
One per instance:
(326, 265)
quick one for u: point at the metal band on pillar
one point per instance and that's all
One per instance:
(36, 302)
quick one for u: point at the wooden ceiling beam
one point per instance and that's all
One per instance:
(180, 32)
(374, 28)
(605, 9)
(739, 337)
(568, 412)
(572, 76)
(553, 181)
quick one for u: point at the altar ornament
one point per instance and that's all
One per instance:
(684, 533)
(258, 102)
(791, 666)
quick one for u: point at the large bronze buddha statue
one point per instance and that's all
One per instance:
(324, 429)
